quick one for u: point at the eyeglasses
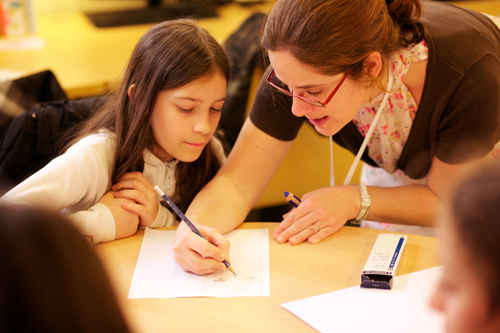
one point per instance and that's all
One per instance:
(314, 102)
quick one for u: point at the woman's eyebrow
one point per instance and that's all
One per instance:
(306, 86)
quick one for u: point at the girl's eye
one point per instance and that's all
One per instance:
(184, 110)
(215, 110)
(315, 93)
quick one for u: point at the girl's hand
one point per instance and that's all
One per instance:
(141, 194)
(197, 255)
(321, 213)
(126, 222)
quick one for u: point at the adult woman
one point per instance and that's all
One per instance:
(435, 76)
(469, 290)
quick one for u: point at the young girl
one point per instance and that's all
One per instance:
(469, 292)
(157, 129)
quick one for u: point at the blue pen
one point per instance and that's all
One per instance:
(186, 220)
(292, 199)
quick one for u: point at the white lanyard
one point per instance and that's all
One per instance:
(365, 141)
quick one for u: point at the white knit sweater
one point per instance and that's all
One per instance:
(74, 182)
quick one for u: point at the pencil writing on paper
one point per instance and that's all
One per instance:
(186, 220)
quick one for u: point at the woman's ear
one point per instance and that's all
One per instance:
(372, 65)
(130, 90)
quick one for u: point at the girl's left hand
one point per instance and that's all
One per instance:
(321, 213)
(135, 186)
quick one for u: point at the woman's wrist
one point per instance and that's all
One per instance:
(365, 202)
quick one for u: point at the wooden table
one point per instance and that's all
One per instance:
(296, 272)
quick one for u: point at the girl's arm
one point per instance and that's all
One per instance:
(73, 183)
(224, 202)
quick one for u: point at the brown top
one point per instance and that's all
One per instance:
(458, 119)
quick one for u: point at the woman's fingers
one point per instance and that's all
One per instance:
(287, 222)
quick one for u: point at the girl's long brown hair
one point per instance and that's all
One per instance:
(168, 56)
(335, 36)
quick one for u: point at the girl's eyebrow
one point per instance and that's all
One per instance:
(199, 100)
(189, 99)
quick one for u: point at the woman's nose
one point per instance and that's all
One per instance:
(301, 108)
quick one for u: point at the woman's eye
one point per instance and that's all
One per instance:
(315, 93)
(215, 110)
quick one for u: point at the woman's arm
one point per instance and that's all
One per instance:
(330, 208)
(225, 201)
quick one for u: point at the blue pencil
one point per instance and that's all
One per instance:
(292, 199)
(186, 220)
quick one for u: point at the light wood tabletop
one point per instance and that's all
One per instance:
(296, 272)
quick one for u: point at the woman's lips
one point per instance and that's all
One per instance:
(319, 121)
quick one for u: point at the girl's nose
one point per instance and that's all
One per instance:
(202, 125)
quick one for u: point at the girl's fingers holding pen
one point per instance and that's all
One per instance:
(186, 263)
(197, 255)
(217, 239)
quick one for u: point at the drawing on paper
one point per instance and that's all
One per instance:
(219, 279)
(244, 281)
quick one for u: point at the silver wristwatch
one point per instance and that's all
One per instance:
(365, 204)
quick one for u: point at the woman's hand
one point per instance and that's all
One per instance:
(197, 255)
(141, 194)
(126, 222)
(321, 213)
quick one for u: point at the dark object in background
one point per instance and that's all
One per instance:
(154, 12)
(20, 95)
(245, 54)
(34, 138)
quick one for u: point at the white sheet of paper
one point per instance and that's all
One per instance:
(157, 275)
(405, 308)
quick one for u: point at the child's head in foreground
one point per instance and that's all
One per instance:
(469, 292)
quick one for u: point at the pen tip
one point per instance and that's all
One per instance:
(231, 270)
(286, 193)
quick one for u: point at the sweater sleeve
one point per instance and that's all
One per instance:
(97, 221)
(165, 218)
(72, 184)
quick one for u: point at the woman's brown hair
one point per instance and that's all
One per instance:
(334, 36)
(168, 56)
(475, 217)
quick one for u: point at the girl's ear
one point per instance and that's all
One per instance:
(130, 90)
(372, 65)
